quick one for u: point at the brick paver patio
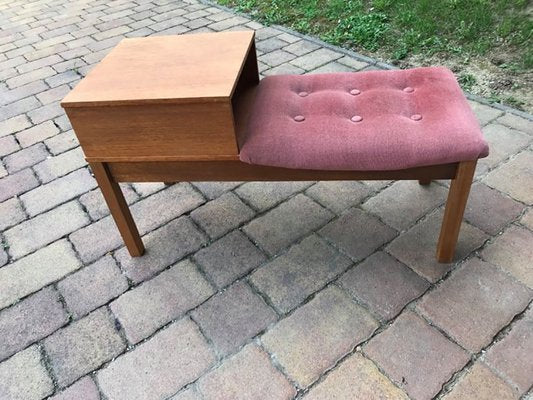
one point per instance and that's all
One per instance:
(311, 290)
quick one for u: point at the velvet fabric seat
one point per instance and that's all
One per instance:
(362, 121)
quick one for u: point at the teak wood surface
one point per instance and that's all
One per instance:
(175, 108)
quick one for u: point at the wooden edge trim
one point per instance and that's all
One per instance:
(175, 171)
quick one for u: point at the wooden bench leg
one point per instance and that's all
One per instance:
(455, 207)
(424, 182)
(119, 209)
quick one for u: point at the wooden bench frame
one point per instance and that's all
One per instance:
(109, 175)
(142, 118)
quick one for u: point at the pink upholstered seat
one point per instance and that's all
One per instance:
(372, 120)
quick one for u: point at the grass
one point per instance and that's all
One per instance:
(401, 28)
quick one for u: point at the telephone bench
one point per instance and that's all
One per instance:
(192, 108)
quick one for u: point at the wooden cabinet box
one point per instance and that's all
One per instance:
(167, 98)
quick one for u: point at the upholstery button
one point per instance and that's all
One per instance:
(355, 92)
(408, 89)
(357, 118)
(416, 117)
(303, 94)
(299, 118)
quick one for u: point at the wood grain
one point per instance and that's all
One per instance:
(155, 131)
(455, 208)
(118, 208)
(238, 171)
(165, 69)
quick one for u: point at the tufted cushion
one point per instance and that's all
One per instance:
(372, 120)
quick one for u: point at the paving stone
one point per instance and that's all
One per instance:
(23, 377)
(357, 233)
(503, 142)
(45, 113)
(514, 178)
(149, 214)
(31, 273)
(62, 142)
(353, 63)
(36, 133)
(84, 389)
(316, 335)
(171, 359)
(356, 378)
(11, 213)
(145, 189)
(266, 32)
(83, 346)
(164, 206)
(417, 357)
(53, 95)
(512, 251)
(270, 44)
(229, 258)
(404, 202)
(23, 91)
(30, 320)
(8, 145)
(526, 220)
(289, 38)
(89, 241)
(480, 383)
(3, 171)
(17, 183)
(228, 23)
(248, 375)
(68, 76)
(56, 192)
(221, 215)
(13, 125)
(96, 206)
(384, 284)
(305, 268)
(18, 107)
(301, 47)
(45, 228)
(276, 58)
(25, 157)
(416, 247)
(475, 303)
(187, 394)
(286, 223)
(516, 122)
(265, 195)
(283, 69)
(92, 286)
(315, 59)
(31, 76)
(212, 190)
(63, 122)
(511, 356)
(147, 307)
(483, 112)
(489, 210)
(164, 247)
(232, 317)
(331, 67)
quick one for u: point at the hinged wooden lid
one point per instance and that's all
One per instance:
(165, 69)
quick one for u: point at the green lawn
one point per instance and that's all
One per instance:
(400, 28)
(487, 43)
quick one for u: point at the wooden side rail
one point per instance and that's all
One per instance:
(109, 174)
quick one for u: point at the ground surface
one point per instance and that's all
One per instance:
(487, 43)
(309, 290)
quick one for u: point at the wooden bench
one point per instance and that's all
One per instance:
(192, 108)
